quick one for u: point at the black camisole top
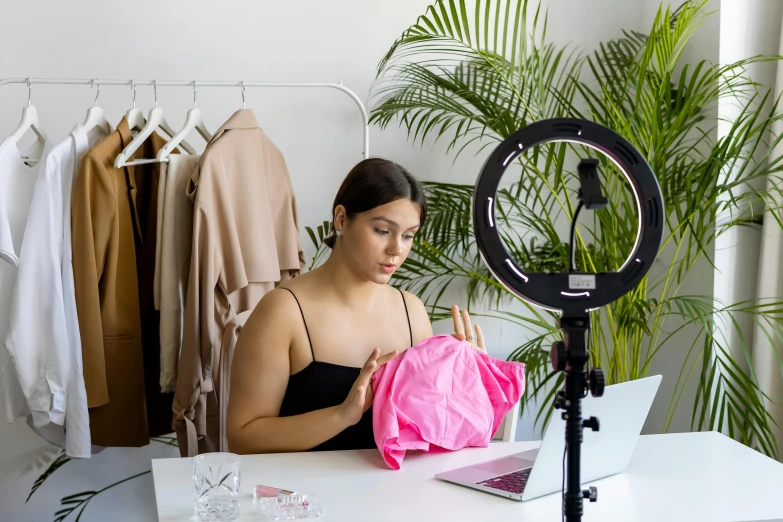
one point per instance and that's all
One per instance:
(323, 385)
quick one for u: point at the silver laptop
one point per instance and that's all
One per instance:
(621, 413)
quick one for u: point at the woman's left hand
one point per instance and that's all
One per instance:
(462, 325)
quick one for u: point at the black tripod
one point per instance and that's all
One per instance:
(572, 356)
(572, 292)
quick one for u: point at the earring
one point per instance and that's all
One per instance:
(338, 233)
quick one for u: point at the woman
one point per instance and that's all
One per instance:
(302, 369)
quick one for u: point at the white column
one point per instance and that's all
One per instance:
(747, 28)
(770, 288)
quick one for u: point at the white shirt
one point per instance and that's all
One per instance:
(17, 181)
(50, 331)
(33, 376)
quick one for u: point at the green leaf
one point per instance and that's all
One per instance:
(80, 495)
(83, 499)
(59, 462)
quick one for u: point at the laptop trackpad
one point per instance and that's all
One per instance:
(503, 466)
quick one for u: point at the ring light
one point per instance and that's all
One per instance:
(573, 294)
(569, 291)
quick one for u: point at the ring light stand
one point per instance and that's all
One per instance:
(572, 294)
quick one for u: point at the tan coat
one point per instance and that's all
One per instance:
(113, 224)
(245, 242)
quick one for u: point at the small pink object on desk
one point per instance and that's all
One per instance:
(442, 393)
(269, 492)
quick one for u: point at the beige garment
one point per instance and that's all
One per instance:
(175, 236)
(159, 236)
(245, 242)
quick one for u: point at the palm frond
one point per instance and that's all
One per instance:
(317, 237)
(56, 464)
(78, 502)
(445, 76)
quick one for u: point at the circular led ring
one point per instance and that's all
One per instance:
(569, 292)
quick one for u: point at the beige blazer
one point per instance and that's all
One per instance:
(245, 242)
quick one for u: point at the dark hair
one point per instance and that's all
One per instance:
(374, 182)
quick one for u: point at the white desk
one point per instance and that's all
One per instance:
(694, 477)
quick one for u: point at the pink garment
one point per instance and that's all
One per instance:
(443, 393)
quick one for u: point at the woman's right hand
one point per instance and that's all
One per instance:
(361, 395)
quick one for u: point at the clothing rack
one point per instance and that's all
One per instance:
(197, 83)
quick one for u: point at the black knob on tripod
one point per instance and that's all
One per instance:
(558, 356)
(597, 382)
(591, 423)
(559, 400)
(591, 494)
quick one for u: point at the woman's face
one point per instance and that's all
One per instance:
(378, 241)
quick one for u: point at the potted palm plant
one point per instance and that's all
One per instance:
(473, 72)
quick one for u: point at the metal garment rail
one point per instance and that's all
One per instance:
(197, 83)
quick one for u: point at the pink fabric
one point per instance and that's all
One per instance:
(442, 393)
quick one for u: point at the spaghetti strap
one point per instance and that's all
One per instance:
(410, 330)
(304, 321)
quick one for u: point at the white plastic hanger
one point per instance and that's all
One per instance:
(96, 117)
(193, 121)
(134, 116)
(29, 121)
(155, 119)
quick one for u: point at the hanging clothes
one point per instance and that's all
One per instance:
(113, 225)
(172, 259)
(46, 276)
(34, 374)
(245, 242)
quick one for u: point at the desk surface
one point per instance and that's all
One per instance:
(677, 477)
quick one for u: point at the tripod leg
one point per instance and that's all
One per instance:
(574, 387)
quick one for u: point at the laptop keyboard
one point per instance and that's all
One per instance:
(512, 482)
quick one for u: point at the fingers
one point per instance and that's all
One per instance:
(367, 371)
(374, 362)
(371, 366)
(480, 339)
(468, 327)
(373, 357)
(360, 395)
(386, 358)
(464, 331)
(459, 327)
(366, 397)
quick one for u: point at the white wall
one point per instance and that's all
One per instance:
(308, 40)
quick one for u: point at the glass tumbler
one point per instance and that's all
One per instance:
(216, 478)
